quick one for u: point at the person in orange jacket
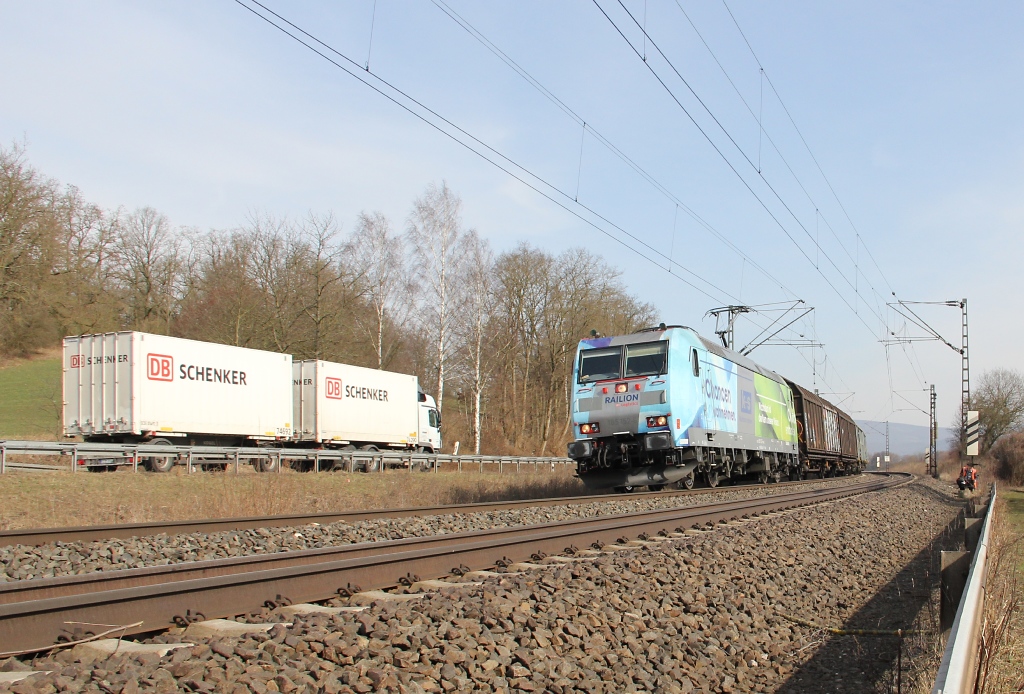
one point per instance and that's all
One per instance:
(964, 479)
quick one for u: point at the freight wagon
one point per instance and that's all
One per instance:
(830, 442)
(666, 405)
(350, 407)
(133, 387)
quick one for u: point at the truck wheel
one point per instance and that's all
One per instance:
(268, 464)
(159, 464)
(371, 465)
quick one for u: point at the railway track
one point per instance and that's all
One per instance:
(36, 613)
(90, 533)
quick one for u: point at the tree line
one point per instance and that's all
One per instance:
(491, 335)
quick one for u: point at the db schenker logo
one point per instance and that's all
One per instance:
(332, 386)
(159, 367)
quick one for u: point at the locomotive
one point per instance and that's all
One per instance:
(667, 406)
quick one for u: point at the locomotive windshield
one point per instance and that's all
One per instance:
(646, 359)
(600, 364)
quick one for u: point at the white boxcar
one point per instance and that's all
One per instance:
(131, 387)
(343, 405)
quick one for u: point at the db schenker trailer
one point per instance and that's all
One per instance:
(134, 387)
(350, 407)
(666, 405)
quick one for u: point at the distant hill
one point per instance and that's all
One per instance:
(904, 439)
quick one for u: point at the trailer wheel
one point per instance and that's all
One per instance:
(161, 463)
(372, 465)
(268, 464)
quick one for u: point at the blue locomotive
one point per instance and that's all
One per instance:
(665, 406)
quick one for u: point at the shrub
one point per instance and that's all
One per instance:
(1008, 453)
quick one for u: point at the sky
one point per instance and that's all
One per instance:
(750, 153)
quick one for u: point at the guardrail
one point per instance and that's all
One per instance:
(958, 670)
(85, 455)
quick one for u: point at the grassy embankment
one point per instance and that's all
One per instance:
(1004, 629)
(31, 398)
(32, 500)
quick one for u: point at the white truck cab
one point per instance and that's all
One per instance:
(430, 424)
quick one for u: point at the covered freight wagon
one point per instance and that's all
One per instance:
(829, 438)
(133, 387)
(354, 407)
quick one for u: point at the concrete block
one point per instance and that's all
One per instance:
(227, 627)
(306, 608)
(104, 648)
(18, 676)
(428, 585)
(368, 596)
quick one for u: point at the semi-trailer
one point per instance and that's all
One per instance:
(343, 406)
(134, 387)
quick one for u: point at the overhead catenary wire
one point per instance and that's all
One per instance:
(495, 158)
(730, 164)
(510, 167)
(571, 113)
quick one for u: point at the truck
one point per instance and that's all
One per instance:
(351, 407)
(135, 387)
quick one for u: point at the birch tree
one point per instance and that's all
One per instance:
(379, 265)
(478, 310)
(435, 235)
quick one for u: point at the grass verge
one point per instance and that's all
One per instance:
(31, 399)
(1003, 669)
(34, 500)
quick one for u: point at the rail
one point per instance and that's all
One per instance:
(92, 533)
(318, 459)
(35, 613)
(958, 668)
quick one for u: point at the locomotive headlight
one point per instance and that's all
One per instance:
(621, 387)
(591, 428)
(658, 421)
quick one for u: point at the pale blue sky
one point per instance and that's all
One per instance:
(913, 111)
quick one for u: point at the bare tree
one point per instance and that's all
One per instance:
(999, 401)
(435, 232)
(478, 308)
(149, 259)
(378, 262)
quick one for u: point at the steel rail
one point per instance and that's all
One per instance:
(225, 588)
(91, 533)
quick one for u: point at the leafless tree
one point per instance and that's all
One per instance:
(478, 310)
(435, 233)
(149, 260)
(379, 265)
(999, 401)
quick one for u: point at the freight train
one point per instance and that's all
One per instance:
(133, 387)
(667, 406)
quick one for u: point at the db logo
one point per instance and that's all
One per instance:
(333, 388)
(77, 361)
(159, 367)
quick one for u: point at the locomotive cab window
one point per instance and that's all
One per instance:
(646, 359)
(600, 364)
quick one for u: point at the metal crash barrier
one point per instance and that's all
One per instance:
(959, 667)
(110, 455)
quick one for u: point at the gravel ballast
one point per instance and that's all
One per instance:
(718, 611)
(22, 562)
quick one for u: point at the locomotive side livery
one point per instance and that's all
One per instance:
(665, 405)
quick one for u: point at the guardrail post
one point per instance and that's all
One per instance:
(280, 462)
(316, 462)
(481, 464)
(499, 465)
(955, 566)
(189, 462)
(236, 461)
(3, 459)
(135, 460)
(74, 459)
